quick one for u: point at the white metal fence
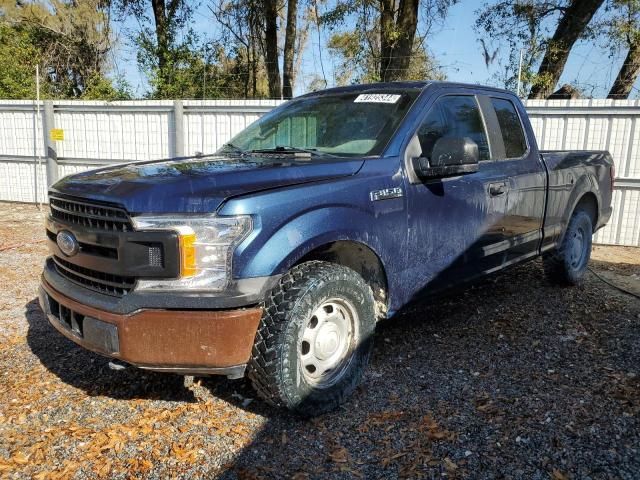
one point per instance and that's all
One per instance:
(100, 133)
(612, 125)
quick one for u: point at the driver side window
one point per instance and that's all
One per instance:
(453, 116)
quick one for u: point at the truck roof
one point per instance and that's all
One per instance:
(404, 85)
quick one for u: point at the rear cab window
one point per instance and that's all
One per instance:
(515, 143)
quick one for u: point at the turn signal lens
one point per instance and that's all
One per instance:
(187, 254)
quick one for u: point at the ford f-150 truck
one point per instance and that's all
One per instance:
(276, 255)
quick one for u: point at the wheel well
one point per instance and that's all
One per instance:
(360, 258)
(589, 204)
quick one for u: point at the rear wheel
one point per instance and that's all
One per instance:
(567, 264)
(315, 338)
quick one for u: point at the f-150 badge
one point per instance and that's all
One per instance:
(385, 194)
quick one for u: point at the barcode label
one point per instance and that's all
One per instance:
(377, 98)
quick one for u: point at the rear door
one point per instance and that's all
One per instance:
(525, 174)
(456, 224)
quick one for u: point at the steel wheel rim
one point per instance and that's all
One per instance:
(328, 340)
(577, 252)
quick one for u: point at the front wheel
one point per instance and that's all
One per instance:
(567, 264)
(315, 338)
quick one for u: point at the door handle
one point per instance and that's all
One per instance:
(497, 189)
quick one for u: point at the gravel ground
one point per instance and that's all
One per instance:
(512, 378)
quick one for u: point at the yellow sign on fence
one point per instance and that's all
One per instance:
(56, 134)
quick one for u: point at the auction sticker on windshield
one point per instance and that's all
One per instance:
(377, 98)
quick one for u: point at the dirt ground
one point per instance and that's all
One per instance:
(511, 378)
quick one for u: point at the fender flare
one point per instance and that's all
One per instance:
(586, 184)
(297, 237)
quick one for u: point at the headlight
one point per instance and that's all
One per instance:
(206, 246)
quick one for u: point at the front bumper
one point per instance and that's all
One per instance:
(241, 293)
(190, 342)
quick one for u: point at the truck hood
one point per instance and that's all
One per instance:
(198, 184)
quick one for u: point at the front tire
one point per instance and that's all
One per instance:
(315, 338)
(567, 264)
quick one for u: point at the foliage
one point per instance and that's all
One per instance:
(72, 39)
(518, 26)
(18, 55)
(251, 41)
(384, 43)
(206, 72)
(543, 30)
(623, 27)
(165, 41)
(241, 33)
(356, 64)
(101, 88)
(359, 65)
(572, 26)
(623, 33)
(180, 63)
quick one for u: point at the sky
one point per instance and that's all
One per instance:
(453, 45)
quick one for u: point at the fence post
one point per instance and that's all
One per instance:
(178, 132)
(49, 145)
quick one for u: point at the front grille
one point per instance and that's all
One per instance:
(91, 215)
(115, 285)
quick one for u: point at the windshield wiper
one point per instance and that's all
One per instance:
(288, 149)
(234, 147)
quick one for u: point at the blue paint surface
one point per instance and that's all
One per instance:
(438, 233)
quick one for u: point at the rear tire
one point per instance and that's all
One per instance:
(567, 264)
(315, 338)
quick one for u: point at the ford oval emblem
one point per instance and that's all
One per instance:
(67, 243)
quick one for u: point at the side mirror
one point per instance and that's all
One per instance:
(450, 156)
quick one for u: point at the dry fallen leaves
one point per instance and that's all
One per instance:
(339, 455)
(558, 475)
(434, 431)
(449, 464)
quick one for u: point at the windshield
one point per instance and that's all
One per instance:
(347, 124)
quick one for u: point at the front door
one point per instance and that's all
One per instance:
(456, 225)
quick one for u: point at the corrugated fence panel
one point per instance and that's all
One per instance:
(117, 131)
(18, 179)
(574, 135)
(629, 224)
(102, 133)
(208, 124)
(632, 168)
(19, 124)
(599, 125)
(609, 233)
(20, 144)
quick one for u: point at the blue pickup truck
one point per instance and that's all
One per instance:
(276, 256)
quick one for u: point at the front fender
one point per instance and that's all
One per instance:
(284, 247)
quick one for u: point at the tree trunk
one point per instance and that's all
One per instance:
(271, 47)
(627, 75)
(302, 34)
(407, 24)
(253, 51)
(571, 26)
(289, 49)
(387, 25)
(162, 38)
(397, 36)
